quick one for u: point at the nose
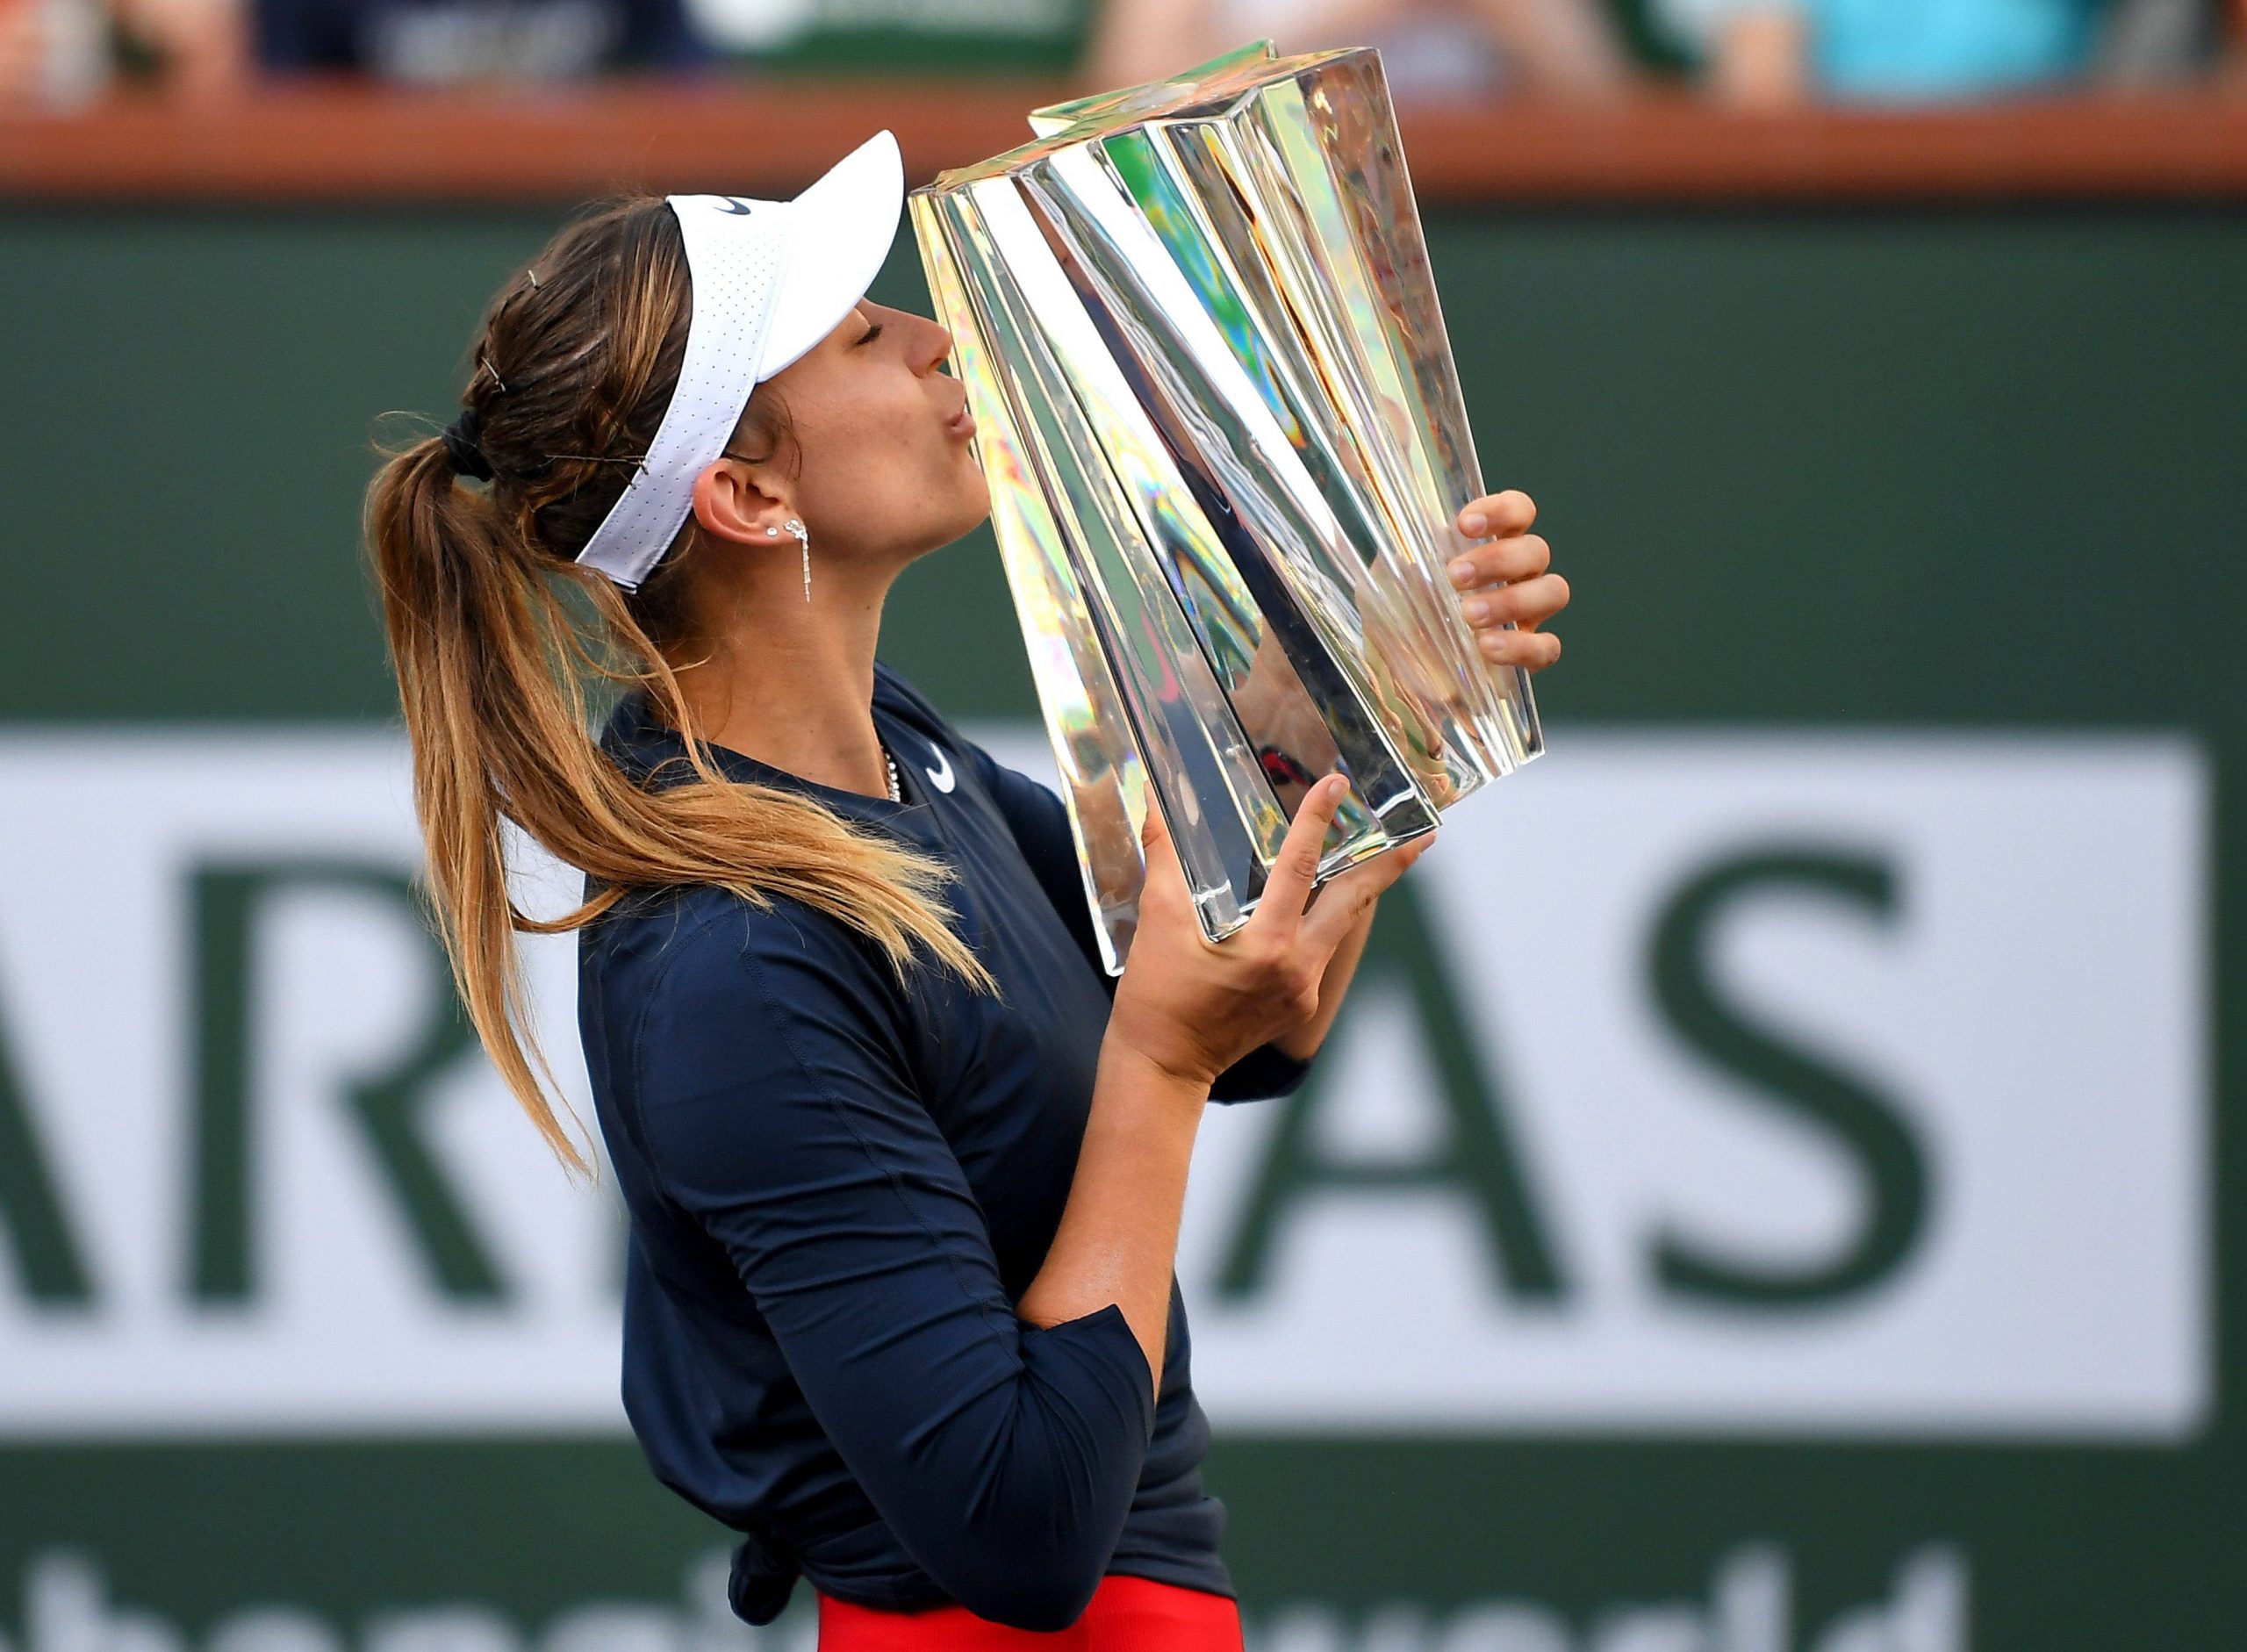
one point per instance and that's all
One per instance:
(934, 345)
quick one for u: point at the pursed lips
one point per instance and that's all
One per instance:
(961, 422)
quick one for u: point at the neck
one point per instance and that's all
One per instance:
(791, 683)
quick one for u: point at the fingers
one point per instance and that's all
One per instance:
(1532, 651)
(1527, 604)
(1507, 583)
(1155, 846)
(1343, 898)
(1523, 556)
(1509, 512)
(1530, 603)
(1297, 865)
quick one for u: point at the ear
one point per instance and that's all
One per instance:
(731, 503)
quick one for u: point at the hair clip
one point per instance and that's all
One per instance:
(533, 277)
(597, 459)
(486, 362)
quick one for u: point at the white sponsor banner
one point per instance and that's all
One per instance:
(244, 1255)
(1971, 976)
(1762, 1085)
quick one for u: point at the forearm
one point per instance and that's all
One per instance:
(1118, 1241)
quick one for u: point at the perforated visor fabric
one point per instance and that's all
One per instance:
(735, 248)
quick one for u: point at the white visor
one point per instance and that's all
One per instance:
(770, 279)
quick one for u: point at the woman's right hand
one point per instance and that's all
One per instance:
(1194, 1007)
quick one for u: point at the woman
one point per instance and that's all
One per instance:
(903, 1182)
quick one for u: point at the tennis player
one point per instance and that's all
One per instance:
(903, 1164)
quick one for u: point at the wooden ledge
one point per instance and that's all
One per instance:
(345, 144)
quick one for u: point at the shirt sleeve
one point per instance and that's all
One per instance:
(1040, 823)
(777, 1108)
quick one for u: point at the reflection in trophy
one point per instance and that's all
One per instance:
(1224, 441)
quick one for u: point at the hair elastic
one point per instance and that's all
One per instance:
(463, 442)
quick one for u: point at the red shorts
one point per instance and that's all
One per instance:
(1127, 1614)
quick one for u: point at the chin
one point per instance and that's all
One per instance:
(969, 513)
(975, 505)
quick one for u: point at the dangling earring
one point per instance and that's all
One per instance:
(803, 538)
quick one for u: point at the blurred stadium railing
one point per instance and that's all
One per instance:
(347, 142)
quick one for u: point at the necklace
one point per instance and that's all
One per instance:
(896, 788)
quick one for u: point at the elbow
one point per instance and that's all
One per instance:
(1038, 1597)
(1035, 1572)
(1038, 1496)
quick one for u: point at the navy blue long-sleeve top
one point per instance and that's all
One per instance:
(838, 1186)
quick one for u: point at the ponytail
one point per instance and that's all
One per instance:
(495, 642)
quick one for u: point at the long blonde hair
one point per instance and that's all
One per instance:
(504, 648)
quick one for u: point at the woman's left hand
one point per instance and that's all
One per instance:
(1508, 578)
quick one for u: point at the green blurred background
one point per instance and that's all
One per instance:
(1805, 467)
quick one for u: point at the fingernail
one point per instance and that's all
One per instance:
(1462, 573)
(1474, 524)
(1475, 608)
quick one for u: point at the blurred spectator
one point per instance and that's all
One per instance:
(2161, 42)
(1777, 52)
(60, 53)
(919, 38)
(1564, 47)
(434, 42)
(53, 51)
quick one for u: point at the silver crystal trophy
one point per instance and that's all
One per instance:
(1225, 445)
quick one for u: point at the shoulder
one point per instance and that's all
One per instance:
(747, 1044)
(703, 955)
(734, 1030)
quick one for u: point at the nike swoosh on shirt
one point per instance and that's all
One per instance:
(942, 778)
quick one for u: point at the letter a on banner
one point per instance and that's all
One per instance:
(1476, 1160)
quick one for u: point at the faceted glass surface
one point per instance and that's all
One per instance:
(1224, 441)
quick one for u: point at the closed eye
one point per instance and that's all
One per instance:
(869, 335)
